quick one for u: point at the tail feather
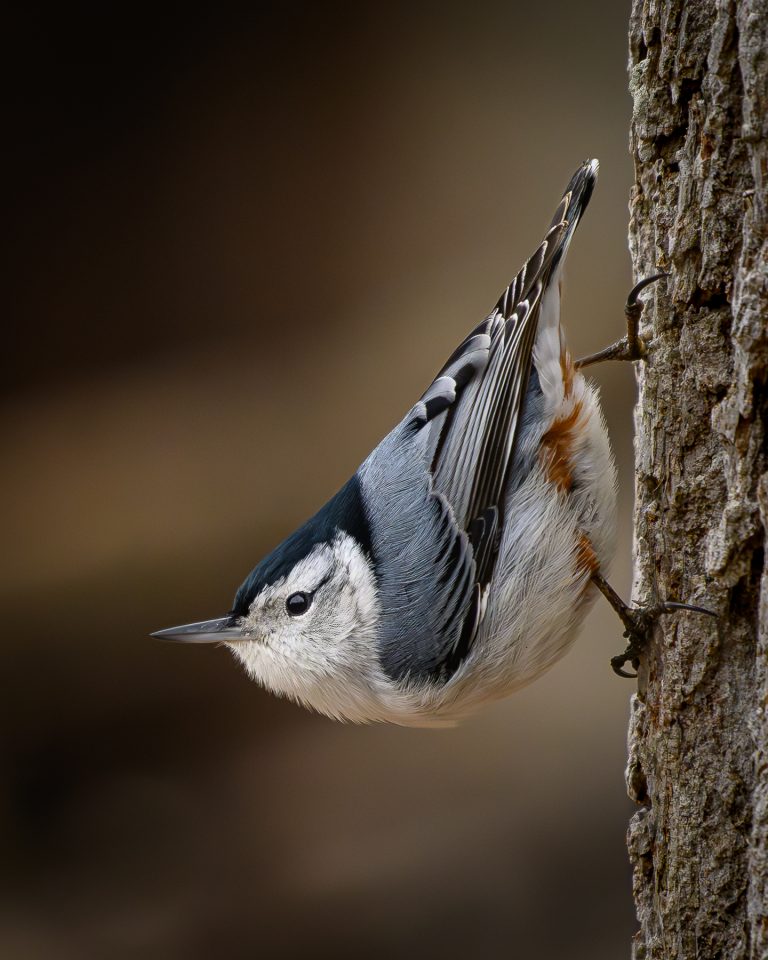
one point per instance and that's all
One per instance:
(573, 205)
(490, 369)
(551, 251)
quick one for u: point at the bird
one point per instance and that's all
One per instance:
(457, 563)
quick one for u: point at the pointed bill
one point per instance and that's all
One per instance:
(206, 631)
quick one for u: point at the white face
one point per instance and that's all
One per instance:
(321, 653)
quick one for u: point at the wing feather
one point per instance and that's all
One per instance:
(436, 484)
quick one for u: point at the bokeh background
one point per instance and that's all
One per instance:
(236, 249)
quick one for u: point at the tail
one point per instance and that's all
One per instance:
(551, 358)
(572, 206)
(485, 381)
(553, 248)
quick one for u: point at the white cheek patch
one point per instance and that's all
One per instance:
(326, 658)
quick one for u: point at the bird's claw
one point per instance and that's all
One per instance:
(617, 664)
(631, 346)
(634, 294)
(639, 622)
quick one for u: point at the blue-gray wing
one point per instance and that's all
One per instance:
(434, 488)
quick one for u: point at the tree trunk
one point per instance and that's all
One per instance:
(698, 740)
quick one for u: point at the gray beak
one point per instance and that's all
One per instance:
(206, 631)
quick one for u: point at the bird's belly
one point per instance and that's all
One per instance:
(553, 540)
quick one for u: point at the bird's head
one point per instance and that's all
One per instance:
(304, 621)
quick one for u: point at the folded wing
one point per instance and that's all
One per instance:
(438, 480)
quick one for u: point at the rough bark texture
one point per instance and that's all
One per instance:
(698, 762)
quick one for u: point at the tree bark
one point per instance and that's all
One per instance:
(698, 740)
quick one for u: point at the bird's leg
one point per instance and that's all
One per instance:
(638, 623)
(630, 347)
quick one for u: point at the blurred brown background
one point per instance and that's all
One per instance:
(236, 251)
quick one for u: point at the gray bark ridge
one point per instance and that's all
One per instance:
(698, 739)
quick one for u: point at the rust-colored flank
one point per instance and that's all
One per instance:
(586, 558)
(557, 448)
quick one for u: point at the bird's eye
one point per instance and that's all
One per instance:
(298, 603)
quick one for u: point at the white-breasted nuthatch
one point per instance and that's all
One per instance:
(457, 563)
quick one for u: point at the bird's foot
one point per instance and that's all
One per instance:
(631, 347)
(638, 624)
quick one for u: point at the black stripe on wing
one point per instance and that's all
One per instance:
(473, 470)
(439, 562)
(482, 400)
